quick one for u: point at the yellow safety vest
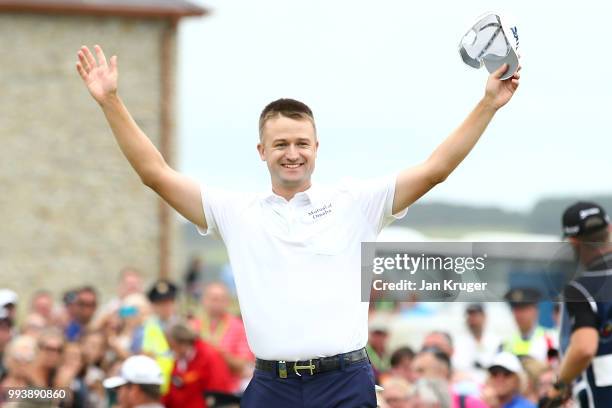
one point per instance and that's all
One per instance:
(520, 347)
(154, 343)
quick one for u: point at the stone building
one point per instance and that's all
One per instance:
(72, 211)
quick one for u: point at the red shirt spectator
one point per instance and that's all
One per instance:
(198, 368)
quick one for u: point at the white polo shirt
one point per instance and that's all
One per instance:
(297, 263)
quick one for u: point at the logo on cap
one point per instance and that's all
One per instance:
(584, 217)
(589, 211)
(162, 287)
(514, 31)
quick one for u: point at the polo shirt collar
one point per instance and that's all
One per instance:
(309, 196)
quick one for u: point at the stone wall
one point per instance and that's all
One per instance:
(73, 211)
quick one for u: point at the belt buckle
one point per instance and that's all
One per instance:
(282, 369)
(310, 367)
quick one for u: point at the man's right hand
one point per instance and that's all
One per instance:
(99, 77)
(179, 191)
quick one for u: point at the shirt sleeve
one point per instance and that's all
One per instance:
(219, 210)
(375, 197)
(578, 308)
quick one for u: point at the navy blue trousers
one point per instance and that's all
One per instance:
(350, 387)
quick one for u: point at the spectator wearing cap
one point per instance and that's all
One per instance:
(505, 383)
(85, 305)
(586, 323)
(198, 369)
(138, 384)
(477, 344)
(531, 339)
(162, 296)
(8, 301)
(224, 331)
(6, 334)
(433, 364)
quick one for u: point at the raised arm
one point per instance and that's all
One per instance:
(180, 192)
(414, 182)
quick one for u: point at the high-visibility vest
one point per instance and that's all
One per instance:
(521, 347)
(155, 344)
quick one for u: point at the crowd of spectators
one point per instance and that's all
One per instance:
(74, 343)
(472, 368)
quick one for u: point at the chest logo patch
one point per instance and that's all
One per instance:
(322, 211)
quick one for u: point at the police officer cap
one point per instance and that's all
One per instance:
(162, 290)
(522, 296)
(584, 217)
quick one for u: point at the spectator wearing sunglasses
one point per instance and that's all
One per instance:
(505, 383)
(48, 358)
(85, 305)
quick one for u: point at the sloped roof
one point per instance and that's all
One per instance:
(123, 8)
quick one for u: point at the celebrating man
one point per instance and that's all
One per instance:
(295, 251)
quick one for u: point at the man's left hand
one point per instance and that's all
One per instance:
(499, 92)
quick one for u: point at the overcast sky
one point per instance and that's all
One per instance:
(386, 85)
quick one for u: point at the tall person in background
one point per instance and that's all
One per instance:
(295, 250)
(586, 324)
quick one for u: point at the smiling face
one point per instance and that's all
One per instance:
(289, 147)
